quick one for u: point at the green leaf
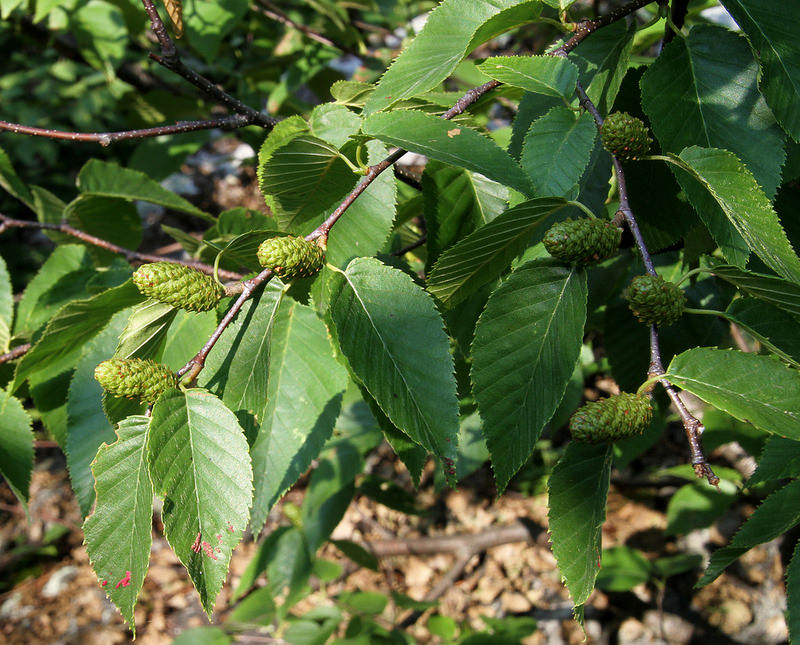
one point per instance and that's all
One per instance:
(437, 50)
(702, 91)
(110, 180)
(203, 636)
(781, 293)
(698, 505)
(87, 426)
(792, 590)
(61, 278)
(99, 28)
(484, 254)
(366, 225)
(398, 349)
(9, 179)
(199, 465)
(119, 531)
(526, 345)
(774, 44)
(557, 149)
(329, 493)
(207, 23)
(780, 459)
(772, 327)
(185, 335)
(456, 202)
(302, 179)
(297, 415)
(145, 331)
(334, 123)
(747, 386)
(603, 62)
(71, 328)
(548, 75)
(90, 214)
(746, 207)
(623, 568)
(16, 446)
(577, 492)
(6, 306)
(237, 368)
(448, 142)
(775, 515)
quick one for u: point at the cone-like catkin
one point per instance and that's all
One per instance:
(654, 301)
(625, 136)
(582, 241)
(607, 420)
(178, 285)
(291, 257)
(135, 378)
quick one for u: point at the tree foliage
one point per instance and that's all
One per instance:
(439, 322)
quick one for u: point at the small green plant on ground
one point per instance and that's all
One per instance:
(639, 200)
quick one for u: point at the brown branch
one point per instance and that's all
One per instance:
(692, 426)
(171, 60)
(273, 12)
(589, 26)
(131, 256)
(15, 353)
(412, 246)
(107, 138)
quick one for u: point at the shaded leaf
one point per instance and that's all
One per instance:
(771, 289)
(773, 40)
(87, 426)
(775, 515)
(780, 459)
(702, 91)
(557, 149)
(577, 492)
(772, 327)
(16, 442)
(398, 349)
(526, 345)
(484, 254)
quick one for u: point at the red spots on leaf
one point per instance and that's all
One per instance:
(125, 581)
(103, 583)
(209, 551)
(230, 527)
(217, 549)
(219, 538)
(196, 546)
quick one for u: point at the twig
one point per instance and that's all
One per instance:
(15, 353)
(131, 256)
(412, 246)
(196, 364)
(407, 177)
(587, 27)
(170, 59)
(107, 138)
(692, 426)
(273, 12)
(678, 17)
